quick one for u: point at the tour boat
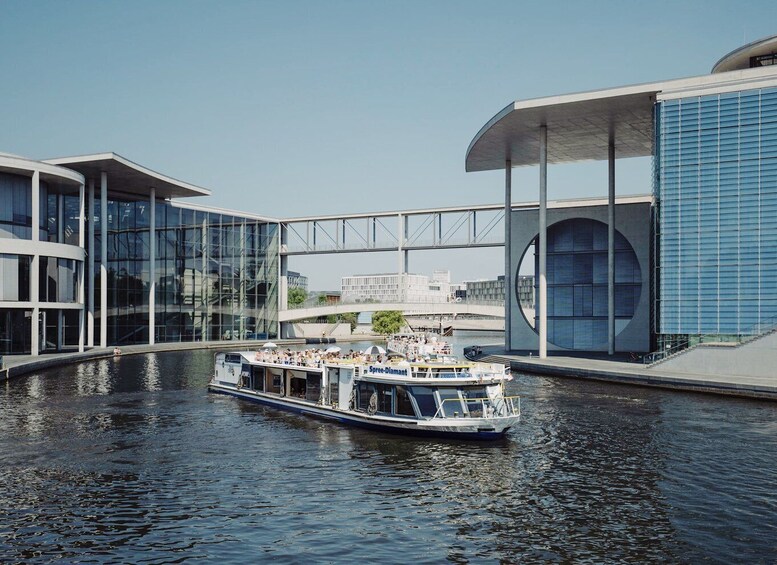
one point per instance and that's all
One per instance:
(451, 399)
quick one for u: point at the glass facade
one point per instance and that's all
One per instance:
(15, 277)
(58, 216)
(216, 275)
(577, 284)
(716, 189)
(15, 206)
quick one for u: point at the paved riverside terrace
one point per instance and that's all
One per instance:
(600, 369)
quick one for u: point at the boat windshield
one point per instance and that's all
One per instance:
(424, 398)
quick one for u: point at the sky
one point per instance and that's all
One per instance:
(294, 108)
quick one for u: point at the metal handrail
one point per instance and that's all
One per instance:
(500, 407)
(315, 304)
(749, 334)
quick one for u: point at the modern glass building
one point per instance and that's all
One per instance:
(118, 259)
(713, 250)
(716, 194)
(41, 256)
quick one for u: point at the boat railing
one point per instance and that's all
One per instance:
(481, 374)
(479, 407)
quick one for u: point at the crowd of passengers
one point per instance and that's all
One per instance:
(313, 357)
(316, 357)
(418, 345)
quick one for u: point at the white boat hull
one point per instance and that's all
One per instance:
(458, 428)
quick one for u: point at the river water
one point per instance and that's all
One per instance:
(133, 461)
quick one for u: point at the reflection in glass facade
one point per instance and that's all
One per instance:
(716, 187)
(15, 206)
(15, 277)
(577, 284)
(216, 275)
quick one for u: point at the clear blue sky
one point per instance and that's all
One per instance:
(298, 108)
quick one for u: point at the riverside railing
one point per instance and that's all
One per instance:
(363, 304)
(749, 334)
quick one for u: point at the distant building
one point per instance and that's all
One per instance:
(296, 280)
(486, 290)
(386, 287)
(494, 290)
(524, 288)
(329, 297)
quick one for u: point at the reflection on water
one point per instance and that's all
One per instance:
(131, 460)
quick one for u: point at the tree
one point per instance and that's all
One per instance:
(387, 322)
(350, 318)
(296, 296)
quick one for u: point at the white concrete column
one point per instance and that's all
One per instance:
(35, 268)
(103, 259)
(284, 328)
(60, 329)
(508, 252)
(60, 239)
(60, 218)
(400, 259)
(82, 311)
(543, 243)
(80, 269)
(152, 269)
(406, 252)
(242, 296)
(90, 269)
(36, 206)
(611, 250)
(205, 280)
(81, 216)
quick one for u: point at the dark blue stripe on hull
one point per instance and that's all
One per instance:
(416, 432)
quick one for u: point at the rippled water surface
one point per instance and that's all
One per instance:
(134, 461)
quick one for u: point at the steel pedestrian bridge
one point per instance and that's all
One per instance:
(408, 230)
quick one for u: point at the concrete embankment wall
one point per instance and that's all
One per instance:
(757, 358)
(320, 330)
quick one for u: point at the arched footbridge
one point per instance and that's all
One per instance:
(494, 310)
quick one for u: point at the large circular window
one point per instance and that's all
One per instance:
(577, 284)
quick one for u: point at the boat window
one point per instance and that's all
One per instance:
(365, 392)
(334, 387)
(403, 406)
(258, 373)
(314, 387)
(451, 403)
(233, 358)
(424, 398)
(273, 380)
(385, 396)
(298, 387)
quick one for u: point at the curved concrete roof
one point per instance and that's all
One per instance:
(579, 128)
(739, 58)
(128, 177)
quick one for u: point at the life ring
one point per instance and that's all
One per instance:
(373, 405)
